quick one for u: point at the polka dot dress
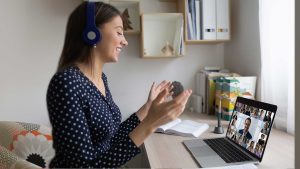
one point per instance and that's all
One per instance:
(87, 129)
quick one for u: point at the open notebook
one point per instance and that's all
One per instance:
(187, 128)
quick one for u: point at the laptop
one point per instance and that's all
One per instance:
(246, 137)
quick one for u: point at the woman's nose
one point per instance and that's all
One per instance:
(124, 42)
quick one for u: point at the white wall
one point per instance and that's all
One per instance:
(242, 53)
(31, 39)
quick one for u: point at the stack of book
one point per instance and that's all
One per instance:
(229, 88)
(206, 86)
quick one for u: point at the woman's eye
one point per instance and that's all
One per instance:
(119, 33)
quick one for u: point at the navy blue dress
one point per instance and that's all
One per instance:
(87, 129)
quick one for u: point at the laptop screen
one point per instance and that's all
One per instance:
(250, 125)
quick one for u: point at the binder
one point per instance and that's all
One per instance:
(209, 19)
(190, 27)
(198, 19)
(196, 103)
(201, 87)
(177, 37)
(192, 10)
(222, 19)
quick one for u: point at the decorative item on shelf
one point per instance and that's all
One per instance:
(145, 53)
(126, 22)
(167, 50)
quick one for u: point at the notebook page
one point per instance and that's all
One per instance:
(190, 127)
(169, 125)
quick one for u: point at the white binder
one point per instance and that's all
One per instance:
(198, 19)
(223, 30)
(209, 19)
(190, 27)
(196, 103)
(201, 88)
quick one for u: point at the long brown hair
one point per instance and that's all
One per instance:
(75, 49)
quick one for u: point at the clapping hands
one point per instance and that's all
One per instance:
(157, 89)
(161, 111)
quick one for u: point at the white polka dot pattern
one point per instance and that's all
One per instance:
(87, 129)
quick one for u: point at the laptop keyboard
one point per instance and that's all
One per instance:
(226, 151)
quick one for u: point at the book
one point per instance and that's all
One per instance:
(198, 19)
(229, 88)
(201, 80)
(211, 89)
(192, 10)
(190, 27)
(212, 68)
(177, 37)
(186, 128)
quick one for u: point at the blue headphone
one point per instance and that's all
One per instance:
(91, 35)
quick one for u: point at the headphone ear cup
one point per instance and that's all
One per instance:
(91, 35)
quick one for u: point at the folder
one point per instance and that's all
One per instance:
(209, 19)
(177, 37)
(192, 10)
(198, 19)
(223, 30)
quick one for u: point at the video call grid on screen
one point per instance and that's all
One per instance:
(250, 127)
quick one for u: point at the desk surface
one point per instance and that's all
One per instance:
(167, 151)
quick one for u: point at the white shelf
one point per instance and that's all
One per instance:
(159, 29)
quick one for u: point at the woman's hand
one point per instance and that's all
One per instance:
(157, 89)
(161, 111)
(154, 92)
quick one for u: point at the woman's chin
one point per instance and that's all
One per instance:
(114, 59)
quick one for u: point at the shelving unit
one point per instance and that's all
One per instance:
(222, 10)
(160, 30)
(162, 35)
(132, 8)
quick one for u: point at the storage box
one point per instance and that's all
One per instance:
(229, 88)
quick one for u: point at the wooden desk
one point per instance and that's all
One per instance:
(167, 151)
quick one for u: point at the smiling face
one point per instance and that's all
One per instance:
(247, 125)
(113, 40)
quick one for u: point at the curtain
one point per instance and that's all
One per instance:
(277, 41)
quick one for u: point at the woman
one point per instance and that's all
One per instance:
(232, 126)
(261, 115)
(258, 150)
(251, 146)
(87, 128)
(265, 130)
